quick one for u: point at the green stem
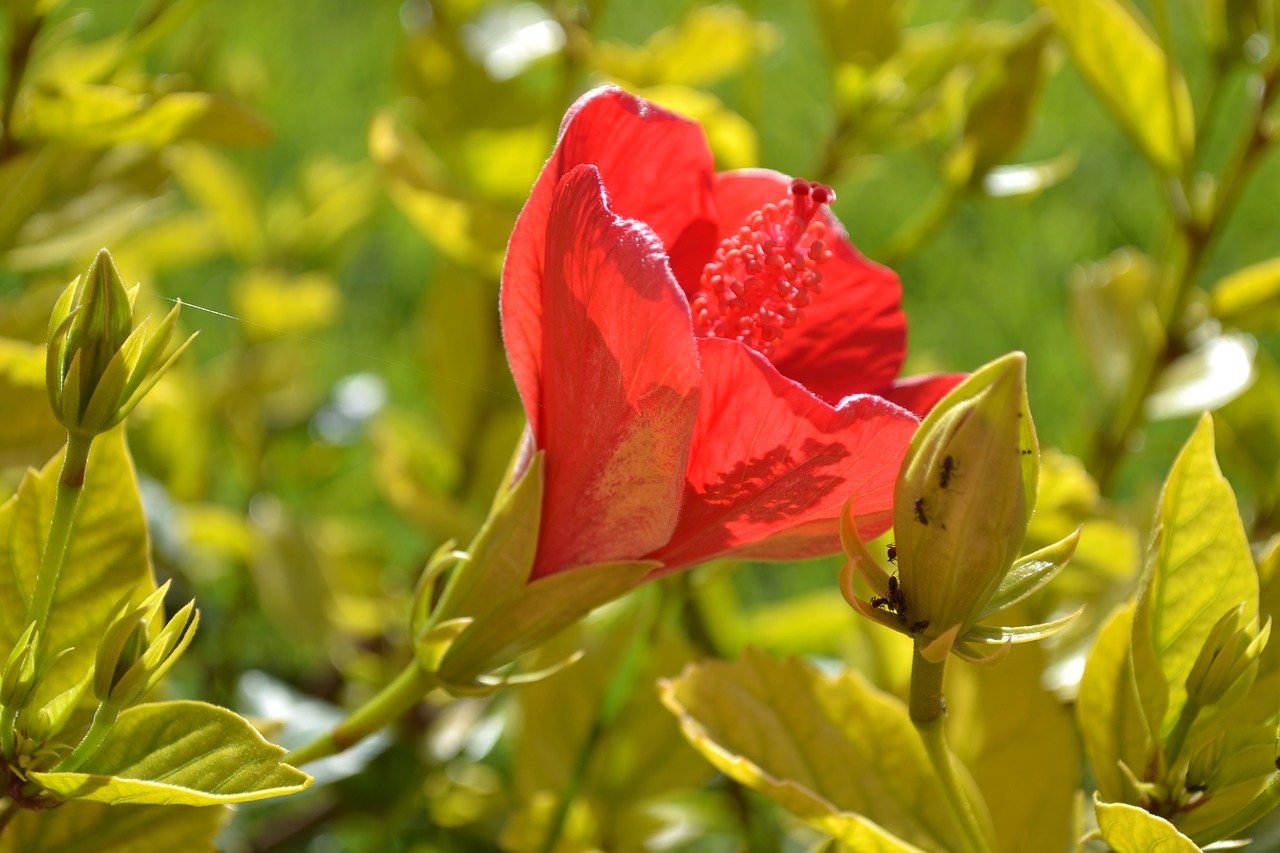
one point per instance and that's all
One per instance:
(1236, 825)
(70, 487)
(8, 745)
(926, 708)
(103, 719)
(1178, 737)
(406, 690)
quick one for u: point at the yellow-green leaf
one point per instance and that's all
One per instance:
(1110, 716)
(1249, 298)
(106, 557)
(1032, 802)
(1199, 567)
(215, 185)
(1129, 70)
(834, 751)
(712, 42)
(1129, 829)
(29, 433)
(272, 302)
(88, 827)
(179, 753)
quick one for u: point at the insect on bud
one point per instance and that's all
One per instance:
(962, 502)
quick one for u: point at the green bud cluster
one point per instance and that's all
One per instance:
(98, 363)
(1230, 652)
(130, 661)
(962, 502)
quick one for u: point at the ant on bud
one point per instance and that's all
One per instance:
(948, 471)
(892, 549)
(920, 516)
(918, 627)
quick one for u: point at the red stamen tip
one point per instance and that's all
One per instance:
(761, 278)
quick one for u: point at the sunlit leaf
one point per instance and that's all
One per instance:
(272, 302)
(1009, 718)
(89, 827)
(1129, 70)
(1129, 829)
(106, 558)
(821, 747)
(29, 434)
(215, 185)
(179, 753)
(710, 43)
(1109, 709)
(1199, 566)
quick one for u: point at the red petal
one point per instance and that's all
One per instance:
(657, 169)
(921, 393)
(769, 459)
(853, 336)
(619, 389)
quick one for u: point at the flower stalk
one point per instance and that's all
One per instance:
(70, 486)
(927, 710)
(402, 693)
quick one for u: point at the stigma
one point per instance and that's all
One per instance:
(760, 279)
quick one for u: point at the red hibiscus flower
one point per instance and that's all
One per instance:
(708, 363)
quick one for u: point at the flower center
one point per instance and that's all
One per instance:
(761, 278)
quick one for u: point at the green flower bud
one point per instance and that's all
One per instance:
(98, 363)
(19, 679)
(129, 662)
(964, 496)
(1203, 763)
(1228, 654)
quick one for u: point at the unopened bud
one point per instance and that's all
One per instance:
(129, 663)
(98, 363)
(1203, 763)
(1229, 652)
(19, 679)
(962, 502)
(965, 494)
